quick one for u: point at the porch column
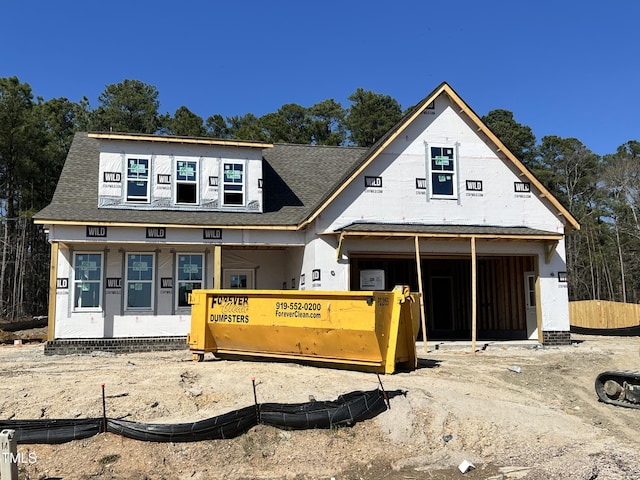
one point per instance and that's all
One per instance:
(536, 271)
(217, 267)
(53, 285)
(474, 300)
(422, 314)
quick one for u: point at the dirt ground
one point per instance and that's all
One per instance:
(544, 422)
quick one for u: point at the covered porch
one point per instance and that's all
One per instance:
(476, 282)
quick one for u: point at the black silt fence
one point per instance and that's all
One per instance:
(345, 411)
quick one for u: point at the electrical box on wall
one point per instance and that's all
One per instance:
(372, 279)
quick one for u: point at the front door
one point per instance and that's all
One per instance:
(530, 302)
(237, 278)
(441, 304)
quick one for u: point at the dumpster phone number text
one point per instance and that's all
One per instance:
(298, 306)
(298, 309)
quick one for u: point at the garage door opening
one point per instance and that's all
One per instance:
(502, 308)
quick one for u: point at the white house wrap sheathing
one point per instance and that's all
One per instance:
(396, 185)
(398, 200)
(163, 158)
(404, 161)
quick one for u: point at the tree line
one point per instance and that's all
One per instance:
(602, 192)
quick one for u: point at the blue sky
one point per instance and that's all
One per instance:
(563, 67)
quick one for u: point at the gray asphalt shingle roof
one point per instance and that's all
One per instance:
(296, 179)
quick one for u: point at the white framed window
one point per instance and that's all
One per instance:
(137, 180)
(443, 176)
(530, 289)
(233, 184)
(139, 281)
(186, 182)
(190, 276)
(87, 281)
(238, 278)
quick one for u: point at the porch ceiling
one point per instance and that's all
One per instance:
(445, 232)
(403, 231)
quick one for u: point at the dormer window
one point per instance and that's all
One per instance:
(233, 184)
(180, 179)
(186, 182)
(138, 180)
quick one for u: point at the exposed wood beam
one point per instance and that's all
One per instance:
(176, 139)
(549, 250)
(378, 150)
(536, 269)
(339, 247)
(423, 319)
(449, 236)
(165, 225)
(217, 267)
(572, 223)
(474, 295)
(53, 286)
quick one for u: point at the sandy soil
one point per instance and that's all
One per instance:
(542, 423)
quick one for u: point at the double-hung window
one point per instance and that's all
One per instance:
(87, 281)
(186, 182)
(139, 281)
(442, 165)
(137, 180)
(189, 275)
(233, 184)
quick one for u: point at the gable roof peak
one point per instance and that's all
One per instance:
(463, 108)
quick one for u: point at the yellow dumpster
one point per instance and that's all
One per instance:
(371, 331)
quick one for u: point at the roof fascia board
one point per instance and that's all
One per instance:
(173, 139)
(572, 222)
(272, 246)
(486, 236)
(374, 154)
(166, 225)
